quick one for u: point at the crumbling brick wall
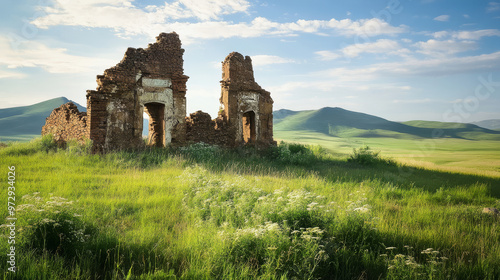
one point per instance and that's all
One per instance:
(247, 115)
(152, 81)
(247, 108)
(201, 128)
(145, 78)
(66, 123)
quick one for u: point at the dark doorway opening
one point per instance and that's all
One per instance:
(156, 113)
(249, 127)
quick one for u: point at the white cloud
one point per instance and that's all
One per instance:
(327, 55)
(11, 75)
(440, 34)
(127, 19)
(379, 46)
(212, 9)
(467, 34)
(441, 66)
(115, 13)
(434, 47)
(364, 27)
(261, 60)
(493, 7)
(384, 46)
(442, 18)
(477, 34)
(53, 60)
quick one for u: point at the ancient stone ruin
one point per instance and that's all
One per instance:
(66, 123)
(152, 80)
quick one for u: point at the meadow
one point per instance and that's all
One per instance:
(480, 157)
(290, 212)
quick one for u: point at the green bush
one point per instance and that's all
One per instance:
(47, 143)
(292, 153)
(366, 156)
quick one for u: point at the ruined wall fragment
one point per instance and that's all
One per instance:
(152, 81)
(247, 108)
(144, 79)
(67, 123)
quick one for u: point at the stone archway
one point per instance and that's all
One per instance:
(249, 129)
(156, 113)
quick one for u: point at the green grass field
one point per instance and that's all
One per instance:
(447, 154)
(292, 212)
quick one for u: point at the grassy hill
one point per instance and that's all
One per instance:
(24, 123)
(279, 115)
(339, 122)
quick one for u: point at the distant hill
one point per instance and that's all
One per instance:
(339, 122)
(489, 124)
(279, 115)
(24, 123)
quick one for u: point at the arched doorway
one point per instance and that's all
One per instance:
(156, 113)
(248, 121)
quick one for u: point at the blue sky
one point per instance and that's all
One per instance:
(398, 59)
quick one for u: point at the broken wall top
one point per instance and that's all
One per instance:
(162, 59)
(237, 74)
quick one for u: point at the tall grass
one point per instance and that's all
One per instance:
(201, 212)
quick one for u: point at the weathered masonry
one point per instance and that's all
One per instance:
(152, 81)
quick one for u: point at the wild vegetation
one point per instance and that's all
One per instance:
(201, 212)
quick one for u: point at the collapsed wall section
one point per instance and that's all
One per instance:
(67, 123)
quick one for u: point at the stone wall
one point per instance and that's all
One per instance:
(145, 78)
(152, 81)
(66, 123)
(247, 114)
(246, 106)
(201, 128)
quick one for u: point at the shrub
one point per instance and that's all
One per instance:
(47, 143)
(292, 153)
(366, 156)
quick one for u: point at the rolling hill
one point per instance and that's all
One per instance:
(489, 124)
(342, 123)
(25, 123)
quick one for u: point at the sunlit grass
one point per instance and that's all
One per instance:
(204, 213)
(447, 154)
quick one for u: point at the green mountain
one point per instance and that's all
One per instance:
(24, 123)
(489, 124)
(279, 115)
(339, 122)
